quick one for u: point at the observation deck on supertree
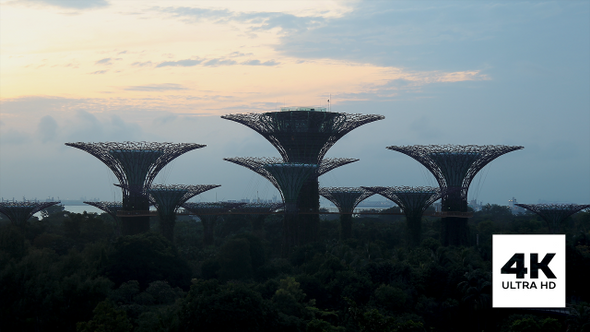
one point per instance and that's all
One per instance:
(413, 202)
(135, 165)
(169, 198)
(454, 166)
(208, 213)
(112, 208)
(304, 135)
(346, 199)
(554, 214)
(258, 212)
(19, 212)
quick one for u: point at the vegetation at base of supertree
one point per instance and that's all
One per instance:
(70, 272)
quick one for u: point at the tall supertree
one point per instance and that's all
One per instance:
(112, 209)
(19, 212)
(454, 167)
(135, 165)
(304, 135)
(554, 214)
(169, 198)
(258, 212)
(413, 202)
(346, 199)
(290, 177)
(208, 213)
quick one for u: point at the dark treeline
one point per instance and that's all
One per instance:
(70, 273)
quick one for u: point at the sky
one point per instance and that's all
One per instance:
(442, 72)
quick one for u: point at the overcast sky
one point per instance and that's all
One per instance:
(513, 73)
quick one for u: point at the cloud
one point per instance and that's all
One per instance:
(142, 64)
(47, 128)
(179, 63)
(105, 61)
(258, 63)
(219, 62)
(98, 72)
(72, 4)
(156, 87)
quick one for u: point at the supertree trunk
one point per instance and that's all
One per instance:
(208, 229)
(345, 226)
(308, 202)
(136, 224)
(167, 224)
(455, 230)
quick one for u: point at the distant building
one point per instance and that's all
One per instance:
(475, 205)
(515, 209)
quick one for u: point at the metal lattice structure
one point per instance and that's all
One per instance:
(19, 212)
(208, 213)
(413, 202)
(135, 164)
(256, 165)
(454, 167)
(169, 198)
(346, 199)
(554, 214)
(302, 136)
(289, 178)
(111, 208)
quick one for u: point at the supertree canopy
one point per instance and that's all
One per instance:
(454, 166)
(346, 199)
(135, 165)
(301, 134)
(208, 213)
(112, 208)
(256, 164)
(168, 199)
(19, 212)
(413, 201)
(554, 214)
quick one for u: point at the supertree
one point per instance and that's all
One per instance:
(208, 213)
(19, 212)
(454, 166)
(112, 209)
(346, 199)
(258, 212)
(554, 214)
(289, 178)
(304, 135)
(413, 202)
(169, 198)
(135, 165)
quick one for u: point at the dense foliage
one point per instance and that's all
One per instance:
(70, 272)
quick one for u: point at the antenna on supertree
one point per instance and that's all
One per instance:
(413, 202)
(169, 198)
(208, 213)
(346, 199)
(111, 208)
(19, 212)
(304, 135)
(135, 165)
(258, 212)
(554, 214)
(454, 166)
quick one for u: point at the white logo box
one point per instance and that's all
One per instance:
(508, 291)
